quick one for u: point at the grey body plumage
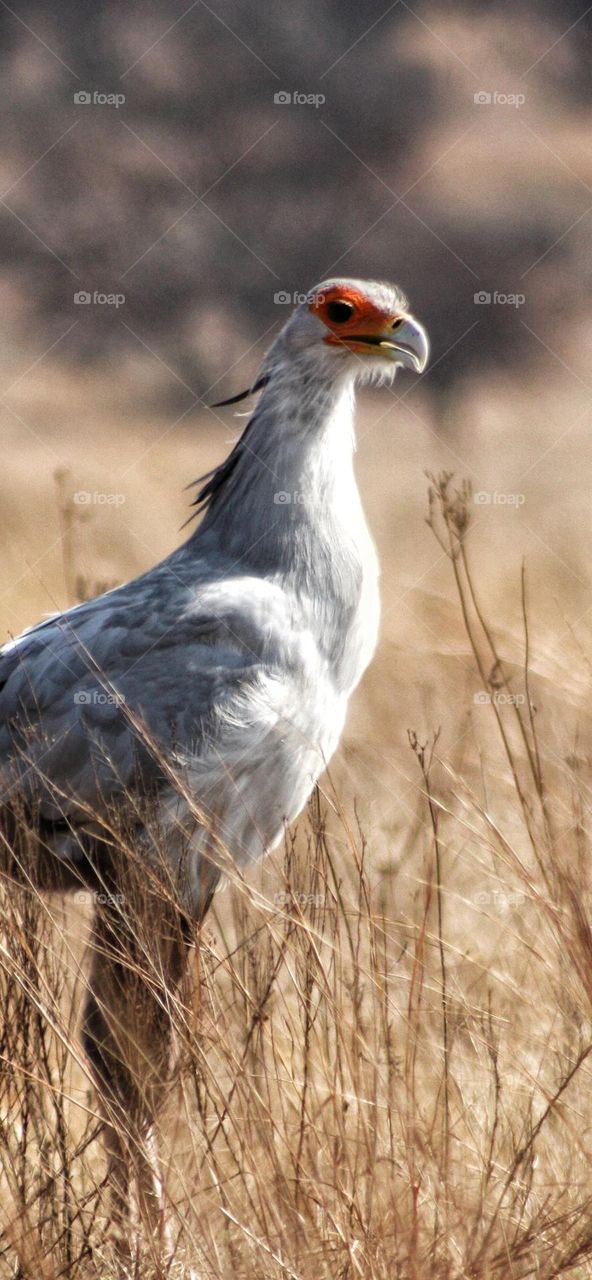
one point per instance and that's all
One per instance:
(238, 652)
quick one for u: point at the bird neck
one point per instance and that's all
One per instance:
(285, 507)
(288, 488)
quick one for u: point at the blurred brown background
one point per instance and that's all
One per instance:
(190, 167)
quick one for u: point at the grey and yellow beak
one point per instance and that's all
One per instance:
(409, 343)
(400, 338)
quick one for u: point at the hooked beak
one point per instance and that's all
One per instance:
(409, 344)
(402, 339)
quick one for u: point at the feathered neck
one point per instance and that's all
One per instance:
(290, 466)
(285, 506)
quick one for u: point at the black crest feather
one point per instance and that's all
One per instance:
(242, 395)
(214, 481)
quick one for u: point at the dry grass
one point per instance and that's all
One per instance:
(383, 1050)
(383, 1054)
(384, 1046)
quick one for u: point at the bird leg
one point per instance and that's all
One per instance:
(118, 1176)
(137, 962)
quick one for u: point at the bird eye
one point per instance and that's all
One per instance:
(338, 312)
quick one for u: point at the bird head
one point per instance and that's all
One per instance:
(346, 330)
(358, 328)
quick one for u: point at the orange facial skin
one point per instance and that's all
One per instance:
(366, 318)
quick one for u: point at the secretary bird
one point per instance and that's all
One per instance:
(202, 700)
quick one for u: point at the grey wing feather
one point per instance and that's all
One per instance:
(73, 689)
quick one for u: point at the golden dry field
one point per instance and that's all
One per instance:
(383, 1049)
(383, 1056)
